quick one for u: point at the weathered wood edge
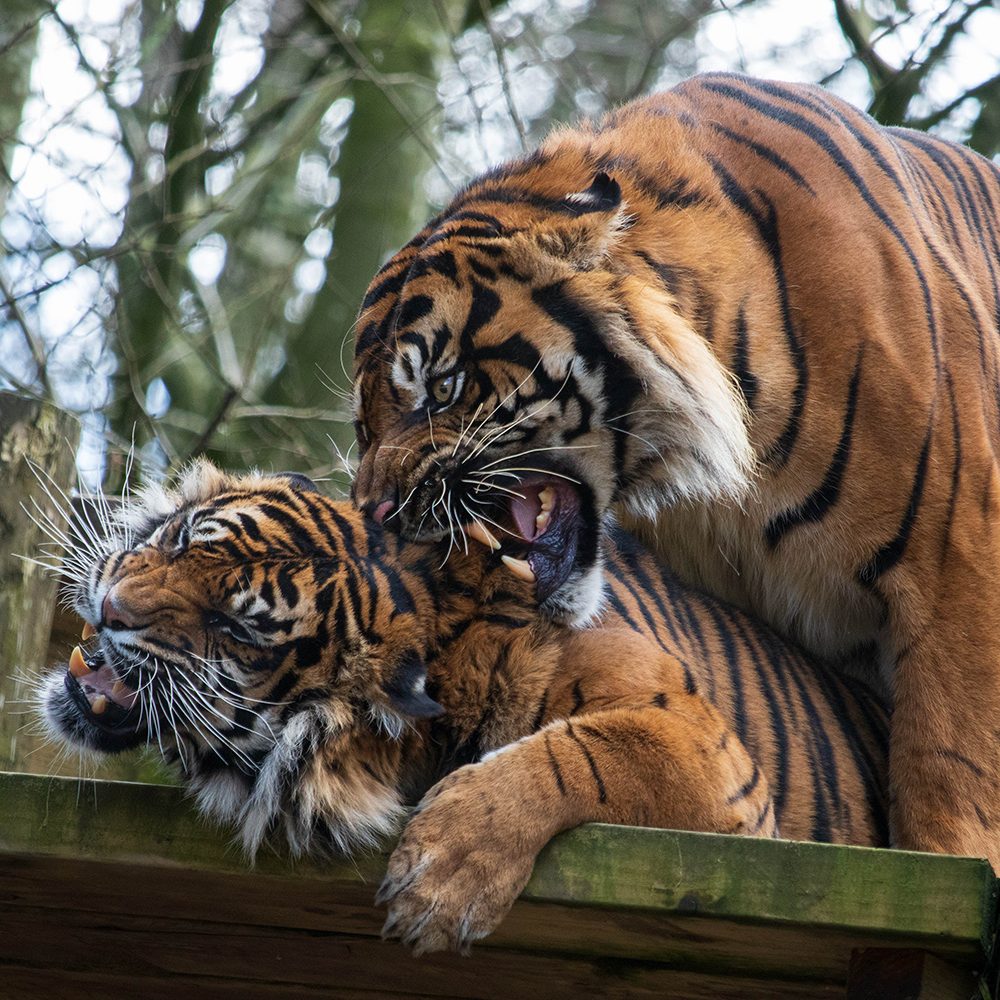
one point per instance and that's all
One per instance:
(948, 902)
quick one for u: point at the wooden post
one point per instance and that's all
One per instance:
(36, 432)
(905, 974)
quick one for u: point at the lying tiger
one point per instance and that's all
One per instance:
(311, 675)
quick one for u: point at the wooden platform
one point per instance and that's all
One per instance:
(117, 889)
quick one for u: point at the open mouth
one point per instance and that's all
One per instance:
(536, 530)
(99, 693)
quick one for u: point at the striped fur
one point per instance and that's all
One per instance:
(768, 329)
(310, 675)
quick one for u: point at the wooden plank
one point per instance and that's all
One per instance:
(948, 901)
(21, 983)
(128, 950)
(675, 914)
(37, 885)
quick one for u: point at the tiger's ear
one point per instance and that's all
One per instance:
(406, 689)
(603, 195)
(299, 482)
(582, 233)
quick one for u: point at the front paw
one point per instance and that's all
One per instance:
(459, 865)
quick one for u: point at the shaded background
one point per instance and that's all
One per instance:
(195, 193)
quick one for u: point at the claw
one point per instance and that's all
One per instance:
(387, 891)
(389, 927)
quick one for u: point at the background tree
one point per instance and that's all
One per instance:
(193, 195)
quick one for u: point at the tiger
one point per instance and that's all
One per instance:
(309, 674)
(765, 328)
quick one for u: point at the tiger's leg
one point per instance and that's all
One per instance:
(468, 853)
(944, 759)
(937, 577)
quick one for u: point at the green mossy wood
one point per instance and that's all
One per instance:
(109, 885)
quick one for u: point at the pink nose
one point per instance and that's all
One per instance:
(382, 509)
(114, 614)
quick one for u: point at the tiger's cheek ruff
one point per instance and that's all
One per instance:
(690, 435)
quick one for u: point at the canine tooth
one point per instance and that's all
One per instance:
(546, 497)
(88, 631)
(118, 689)
(519, 567)
(480, 533)
(77, 665)
(542, 520)
(99, 704)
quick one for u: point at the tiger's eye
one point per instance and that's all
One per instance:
(443, 388)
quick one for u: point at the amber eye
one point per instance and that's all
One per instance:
(442, 389)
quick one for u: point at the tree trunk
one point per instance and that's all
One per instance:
(37, 433)
(381, 167)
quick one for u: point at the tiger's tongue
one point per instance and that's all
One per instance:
(524, 509)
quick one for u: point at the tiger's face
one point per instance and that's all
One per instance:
(231, 625)
(504, 384)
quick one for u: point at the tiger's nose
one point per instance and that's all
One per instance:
(115, 614)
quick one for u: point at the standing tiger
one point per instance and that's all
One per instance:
(310, 674)
(767, 329)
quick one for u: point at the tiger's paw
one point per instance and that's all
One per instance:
(458, 866)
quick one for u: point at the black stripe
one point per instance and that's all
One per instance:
(779, 719)
(765, 152)
(554, 764)
(602, 794)
(442, 263)
(892, 551)
(619, 384)
(484, 306)
(871, 771)
(818, 503)
(956, 467)
(741, 360)
(735, 668)
(414, 308)
(746, 789)
(766, 221)
(387, 287)
(960, 758)
(540, 714)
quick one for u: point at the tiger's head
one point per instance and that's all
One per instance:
(265, 639)
(511, 372)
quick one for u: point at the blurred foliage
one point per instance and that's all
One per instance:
(193, 194)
